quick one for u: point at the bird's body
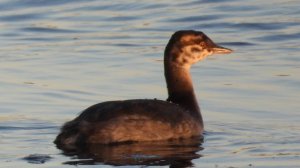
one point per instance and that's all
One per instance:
(143, 119)
(129, 121)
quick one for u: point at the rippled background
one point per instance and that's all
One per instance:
(58, 57)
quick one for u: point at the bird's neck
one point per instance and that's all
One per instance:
(180, 88)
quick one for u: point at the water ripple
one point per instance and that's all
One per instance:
(279, 37)
(238, 8)
(137, 6)
(48, 30)
(197, 18)
(237, 43)
(13, 128)
(262, 26)
(35, 3)
(21, 17)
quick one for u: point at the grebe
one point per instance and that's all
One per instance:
(149, 120)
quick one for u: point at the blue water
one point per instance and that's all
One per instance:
(58, 57)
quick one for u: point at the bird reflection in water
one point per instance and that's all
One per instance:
(175, 153)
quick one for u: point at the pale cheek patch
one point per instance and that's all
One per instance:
(196, 53)
(204, 54)
(184, 61)
(190, 55)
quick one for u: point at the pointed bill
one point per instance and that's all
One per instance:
(221, 50)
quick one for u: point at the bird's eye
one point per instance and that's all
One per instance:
(202, 44)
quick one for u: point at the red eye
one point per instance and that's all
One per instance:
(202, 44)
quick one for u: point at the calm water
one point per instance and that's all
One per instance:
(57, 57)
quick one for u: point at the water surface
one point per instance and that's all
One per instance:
(58, 57)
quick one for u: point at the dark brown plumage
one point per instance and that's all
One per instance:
(148, 120)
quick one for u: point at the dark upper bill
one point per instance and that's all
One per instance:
(220, 50)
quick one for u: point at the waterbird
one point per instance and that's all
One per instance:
(140, 120)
